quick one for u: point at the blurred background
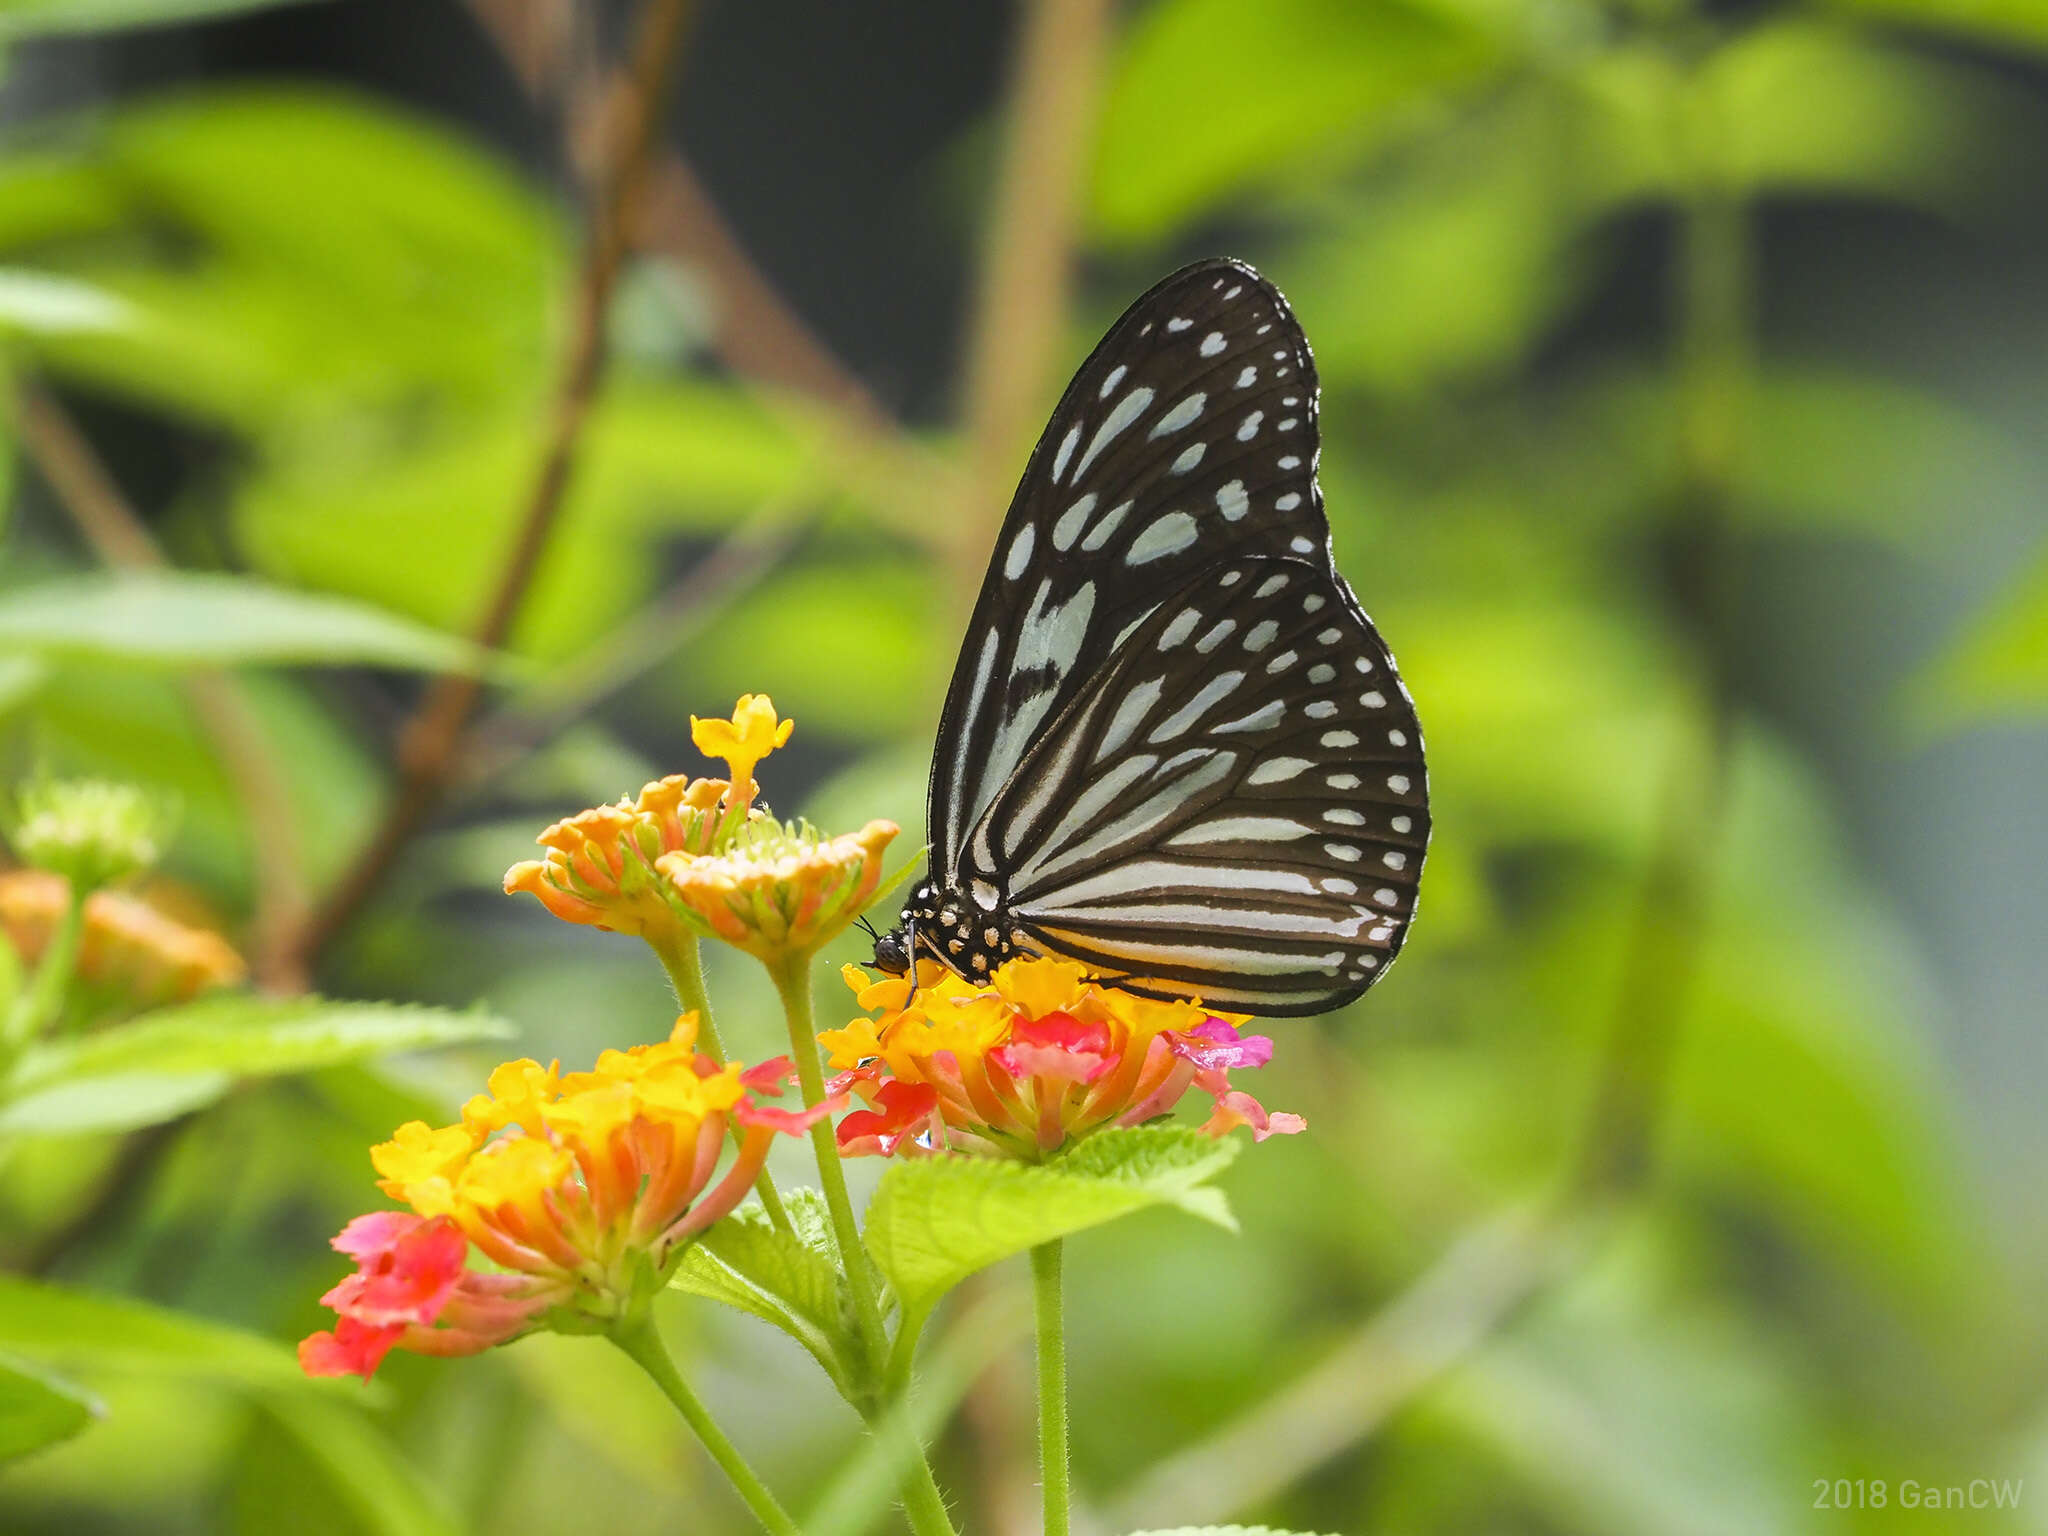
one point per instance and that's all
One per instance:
(1684, 376)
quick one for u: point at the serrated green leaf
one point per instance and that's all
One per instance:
(935, 1221)
(788, 1279)
(119, 1101)
(75, 1329)
(245, 1036)
(39, 1408)
(187, 618)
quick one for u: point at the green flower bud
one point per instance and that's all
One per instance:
(93, 832)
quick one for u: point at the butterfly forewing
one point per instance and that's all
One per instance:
(1188, 435)
(1233, 808)
(1175, 748)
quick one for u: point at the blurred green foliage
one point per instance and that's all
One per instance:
(350, 315)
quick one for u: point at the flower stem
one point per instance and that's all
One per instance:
(683, 959)
(1052, 1385)
(923, 1503)
(37, 1006)
(642, 1341)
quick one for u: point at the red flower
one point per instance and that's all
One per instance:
(902, 1109)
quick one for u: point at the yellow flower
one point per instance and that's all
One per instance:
(131, 952)
(750, 735)
(779, 891)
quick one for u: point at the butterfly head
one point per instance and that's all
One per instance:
(969, 936)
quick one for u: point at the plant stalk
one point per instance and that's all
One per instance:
(684, 962)
(1052, 1385)
(41, 1000)
(642, 1341)
(922, 1501)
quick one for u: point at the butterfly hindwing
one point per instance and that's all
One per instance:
(1235, 805)
(1188, 435)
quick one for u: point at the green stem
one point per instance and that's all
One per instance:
(793, 983)
(683, 959)
(1052, 1385)
(923, 1503)
(38, 1006)
(642, 1341)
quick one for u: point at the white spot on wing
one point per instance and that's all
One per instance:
(1342, 781)
(1178, 324)
(1394, 860)
(1342, 851)
(1260, 635)
(1132, 708)
(1116, 377)
(1165, 536)
(1059, 462)
(1182, 626)
(1216, 636)
(1236, 829)
(1019, 558)
(1397, 782)
(1248, 377)
(1212, 344)
(1401, 824)
(1264, 718)
(1321, 709)
(1217, 689)
(1278, 770)
(1072, 521)
(1127, 410)
(1339, 739)
(1099, 534)
(1249, 429)
(1232, 501)
(1181, 415)
(1288, 502)
(1373, 700)
(1321, 672)
(1344, 817)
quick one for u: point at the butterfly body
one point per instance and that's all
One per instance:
(1175, 748)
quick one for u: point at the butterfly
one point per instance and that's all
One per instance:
(1175, 749)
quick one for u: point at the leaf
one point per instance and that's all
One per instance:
(1997, 667)
(240, 1036)
(36, 302)
(301, 288)
(384, 1490)
(77, 1329)
(119, 1101)
(790, 1280)
(934, 1221)
(39, 1408)
(1204, 102)
(188, 618)
(33, 18)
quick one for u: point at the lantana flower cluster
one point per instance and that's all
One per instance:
(696, 858)
(129, 949)
(1036, 1057)
(582, 1189)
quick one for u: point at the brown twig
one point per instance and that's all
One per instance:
(690, 606)
(118, 535)
(1027, 263)
(756, 333)
(433, 739)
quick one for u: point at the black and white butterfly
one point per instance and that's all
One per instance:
(1175, 749)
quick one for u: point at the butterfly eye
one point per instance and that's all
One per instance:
(1148, 760)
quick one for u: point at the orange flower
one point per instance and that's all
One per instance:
(1026, 1063)
(599, 867)
(582, 1188)
(129, 950)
